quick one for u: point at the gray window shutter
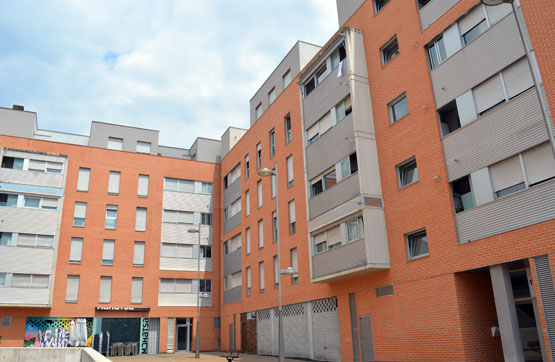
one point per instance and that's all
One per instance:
(140, 221)
(139, 253)
(506, 173)
(26, 239)
(21, 280)
(45, 241)
(136, 290)
(80, 210)
(143, 185)
(471, 20)
(49, 203)
(518, 78)
(40, 281)
(72, 288)
(83, 179)
(105, 292)
(167, 285)
(108, 250)
(488, 94)
(539, 163)
(76, 250)
(113, 182)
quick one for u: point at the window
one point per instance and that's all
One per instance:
(384, 291)
(276, 271)
(76, 250)
(6, 239)
(272, 96)
(108, 252)
(507, 176)
(217, 323)
(436, 52)
(175, 286)
(111, 216)
(105, 292)
(178, 217)
(233, 281)
(275, 231)
(139, 253)
(35, 241)
(294, 265)
(286, 79)
(258, 111)
(205, 218)
(349, 165)
(83, 179)
(232, 176)
(407, 172)
(273, 184)
(247, 203)
(72, 289)
(115, 143)
(180, 185)
(249, 285)
(287, 128)
(140, 219)
(342, 110)
(323, 183)
(232, 244)
(36, 281)
(292, 217)
(205, 252)
(417, 244)
(463, 197)
(3, 281)
(79, 214)
(12, 162)
(136, 290)
(170, 250)
(475, 32)
(142, 188)
(45, 166)
(247, 167)
(258, 155)
(290, 175)
(206, 286)
(272, 142)
(389, 50)
(248, 239)
(259, 189)
(355, 229)
(261, 275)
(9, 200)
(398, 108)
(206, 187)
(449, 118)
(422, 3)
(143, 147)
(539, 164)
(113, 182)
(6, 321)
(260, 233)
(233, 209)
(379, 4)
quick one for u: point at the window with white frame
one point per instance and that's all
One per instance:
(463, 196)
(379, 4)
(389, 50)
(232, 244)
(290, 174)
(143, 147)
(247, 203)
(234, 280)
(436, 52)
(105, 292)
(273, 184)
(272, 96)
(139, 253)
(178, 217)
(140, 219)
(34, 281)
(113, 182)
(325, 69)
(76, 250)
(83, 179)
(286, 78)
(398, 108)
(247, 167)
(294, 265)
(72, 289)
(232, 176)
(180, 185)
(249, 285)
(258, 155)
(355, 229)
(275, 231)
(322, 183)
(337, 235)
(248, 239)
(259, 190)
(340, 171)
(288, 128)
(45, 166)
(258, 111)
(473, 25)
(348, 166)
(172, 250)
(14, 163)
(205, 286)
(261, 276)
(272, 142)
(260, 233)
(136, 290)
(34, 202)
(205, 252)
(7, 239)
(407, 172)
(142, 188)
(276, 272)
(206, 218)
(111, 216)
(9, 200)
(34, 240)
(79, 213)
(233, 209)
(417, 244)
(292, 217)
(115, 143)
(108, 252)
(170, 285)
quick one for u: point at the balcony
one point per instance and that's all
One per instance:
(433, 11)
(232, 295)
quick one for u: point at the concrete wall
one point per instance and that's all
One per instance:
(206, 150)
(434, 10)
(346, 8)
(101, 131)
(17, 123)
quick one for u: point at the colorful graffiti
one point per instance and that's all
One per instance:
(50, 332)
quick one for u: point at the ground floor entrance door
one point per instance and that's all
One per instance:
(184, 334)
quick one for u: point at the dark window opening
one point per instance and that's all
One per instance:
(462, 194)
(449, 118)
(422, 3)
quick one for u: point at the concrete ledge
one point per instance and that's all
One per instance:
(26, 354)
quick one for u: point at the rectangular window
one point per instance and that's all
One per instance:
(108, 252)
(489, 95)
(407, 173)
(422, 3)
(111, 216)
(475, 32)
(76, 250)
(32, 202)
(235, 207)
(136, 290)
(320, 242)
(205, 218)
(272, 96)
(169, 250)
(249, 285)
(8, 200)
(83, 179)
(248, 239)
(261, 275)
(12, 163)
(115, 143)
(3, 281)
(292, 217)
(389, 50)
(398, 108)
(175, 286)
(180, 185)
(436, 53)
(517, 78)
(379, 4)
(247, 167)
(178, 217)
(449, 118)
(463, 197)
(258, 155)
(273, 182)
(539, 164)
(143, 147)
(259, 189)
(276, 272)
(6, 321)
(275, 226)
(294, 265)
(105, 292)
(417, 244)
(206, 187)
(142, 189)
(140, 219)
(288, 128)
(139, 253)
(507, 176)
(72, 289)
(79, 214)
(247, 203)
(286, 79)
(348, 166)
(342, 110)
(313, 133)
(45, 166)
(258, 111)
(260, 233)
(6, 239)
(113, 182)
(205, 252)
(290, 174)
(355, 229)
(272, 143)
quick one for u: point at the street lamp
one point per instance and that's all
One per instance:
(197, 231)
(521, 27)
(265, 172)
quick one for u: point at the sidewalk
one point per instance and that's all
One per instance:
(204, 357)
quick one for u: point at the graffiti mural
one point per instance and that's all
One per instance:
(50, 332)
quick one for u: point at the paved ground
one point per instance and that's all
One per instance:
(204, 357)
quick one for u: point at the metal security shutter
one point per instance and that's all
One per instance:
(72, 288)
(45, 241)
(113, 182)
(170, 216)
(292, 216)
(139, 253)
(313, 131)
(325, 123)
(76, 250)
(259, 189)
(289, 169)
(80, 210)
(518, 78)
(105, 292)
(83, 179)
(261, 274)
(108, 250)
(143, 185)
(48, 203)
(171, 330)
(140, 220)
(471, 20)
(506, 173)
(26, 239)
(154, 336)
(136, 290)
(115, 143)
(539, 163)
(488, 94)
(365, 324)
(547, 294)
(143, 147)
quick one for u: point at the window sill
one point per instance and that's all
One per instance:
(82, 190)
(143, 196)
(75, 262)
(78, 226)
(138, 265)
(113, 193)
(71, 301)
(398, 120)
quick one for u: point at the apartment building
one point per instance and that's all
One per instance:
(106, 227)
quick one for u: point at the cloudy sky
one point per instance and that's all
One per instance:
(187, 68)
